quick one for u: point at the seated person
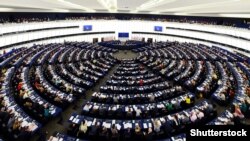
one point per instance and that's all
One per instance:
(39, 86)
(138, 133)
(28, 103)
(149, 134)
(72, 130)
(46, 111)
(244, 106)
(237, 112)
(114, 132)
(193, 116)
(83, 128)
(188, 100)
(16, 126)
(152, 98)
(157, 126)
(200, 114)
(127, 134)
(94, 130)
(129, 113)
(26, 95)
(104, 133)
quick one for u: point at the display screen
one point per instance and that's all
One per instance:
(158, 28)
(87, 27)
(123, 35)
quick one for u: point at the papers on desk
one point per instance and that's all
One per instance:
(169, 117)
(222, 119)
(24, 123)
(162, 119)
(127, 125)
(186, 113)
(32, 126)
(86, 108)
(53, 111)
(71, 118)
(95, 107)
(150, 125)
(89, 123)
(134, 107)
(40, 102)
(158, 106)
(107, 125)
(75, 120)
(126, 109)
(118, 126)
(229, 115)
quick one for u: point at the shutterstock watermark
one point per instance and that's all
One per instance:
(218, 132)
(212, 132)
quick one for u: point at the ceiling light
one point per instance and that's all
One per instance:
(60, 10)
(6, 9)
(111, 5)
(235, 15)
(153, 3)
(67, 3)
(154, 12)
(199, 6)
(180, 14)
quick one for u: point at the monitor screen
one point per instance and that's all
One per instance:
(158, 28)
(87, 28)
(123, 35)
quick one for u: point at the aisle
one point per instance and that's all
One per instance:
(60, 124)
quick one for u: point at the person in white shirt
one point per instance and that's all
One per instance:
(138, 112)
(200, 115)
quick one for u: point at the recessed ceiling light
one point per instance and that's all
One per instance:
(6, 9)
(67, 3)
(111, 5)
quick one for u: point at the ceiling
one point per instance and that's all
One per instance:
(217, 8)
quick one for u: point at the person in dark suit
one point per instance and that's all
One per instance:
(114, 133)
(103, 134)
(148, 135)
(138, 133)
(167, 128)
(94, 131)
(119, 113)
(24, 133)
(42, 136)
(72, 130)
(127, 134)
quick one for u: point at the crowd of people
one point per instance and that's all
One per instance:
(6, 20)
(150, 97)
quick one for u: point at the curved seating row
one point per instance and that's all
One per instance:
(28, 97)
